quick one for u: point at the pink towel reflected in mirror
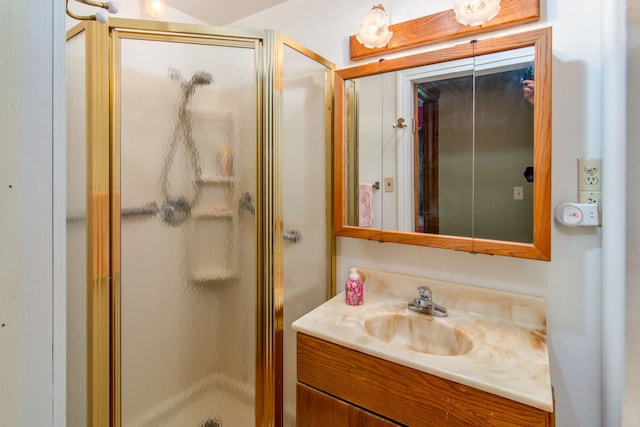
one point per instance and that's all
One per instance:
(365, 205)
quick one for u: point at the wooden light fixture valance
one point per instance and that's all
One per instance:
(443, 26)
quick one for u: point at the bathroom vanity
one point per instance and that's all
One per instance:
(380, 364)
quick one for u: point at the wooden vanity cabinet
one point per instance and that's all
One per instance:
(338, 386)
(318, 409)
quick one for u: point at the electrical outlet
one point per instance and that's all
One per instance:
(592, 198)
(590, 174)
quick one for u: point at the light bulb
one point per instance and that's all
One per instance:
(476, 12)
(155, 8)
(374, 31)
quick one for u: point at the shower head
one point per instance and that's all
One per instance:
(201, 78)
(174, 74)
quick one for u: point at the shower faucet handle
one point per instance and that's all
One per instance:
(293, 236)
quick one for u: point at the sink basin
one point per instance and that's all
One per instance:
(419, 333)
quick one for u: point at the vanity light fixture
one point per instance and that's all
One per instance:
(155, 8)
(100, 16)
(476, 12)
(374, 31)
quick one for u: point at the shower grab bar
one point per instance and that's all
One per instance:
(293, 236)
(150, 209)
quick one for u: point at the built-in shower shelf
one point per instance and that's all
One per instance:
(214, 214)
(215, 224)
(216, 180)
(220, 275)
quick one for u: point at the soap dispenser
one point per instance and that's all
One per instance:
(354, 288)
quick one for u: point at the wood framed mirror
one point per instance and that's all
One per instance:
(449, 148)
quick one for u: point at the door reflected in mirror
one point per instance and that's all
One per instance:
(460, 174)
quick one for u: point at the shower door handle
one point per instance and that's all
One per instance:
(292, 236)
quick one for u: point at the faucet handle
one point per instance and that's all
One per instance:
(425, 292)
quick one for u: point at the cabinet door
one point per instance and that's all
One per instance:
(317, 409)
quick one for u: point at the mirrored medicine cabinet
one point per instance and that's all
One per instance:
(449, 148)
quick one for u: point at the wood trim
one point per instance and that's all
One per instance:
(403, 394)
(542, 215)
(443, 26)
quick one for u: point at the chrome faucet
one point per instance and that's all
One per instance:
(425, 303)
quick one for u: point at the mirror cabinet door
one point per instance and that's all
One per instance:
(446, 149)
(365, 119)
(503, 147)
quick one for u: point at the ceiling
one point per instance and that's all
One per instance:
(221, 12)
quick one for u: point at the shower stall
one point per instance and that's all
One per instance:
(198, 215)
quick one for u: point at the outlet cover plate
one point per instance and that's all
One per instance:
(590, 174)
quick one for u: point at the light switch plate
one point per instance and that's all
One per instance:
(518, 193)
(388, 184)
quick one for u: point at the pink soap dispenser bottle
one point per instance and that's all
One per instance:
(354, 288)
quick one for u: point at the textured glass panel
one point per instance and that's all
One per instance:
(304, 194)
(76, 232)
(188, 141)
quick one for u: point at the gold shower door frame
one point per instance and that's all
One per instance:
(271, 341)
(103, 205)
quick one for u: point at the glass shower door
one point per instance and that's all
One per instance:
(184, 166)
(304, 158)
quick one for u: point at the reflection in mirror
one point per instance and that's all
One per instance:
(473, 142)
(443, 157)
(460, 174)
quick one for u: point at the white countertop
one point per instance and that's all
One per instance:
(508, 354)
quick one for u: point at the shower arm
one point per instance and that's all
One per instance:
(100, 16)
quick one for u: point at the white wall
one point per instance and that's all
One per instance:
(32, 366)
(632, 374)
(571, 282)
